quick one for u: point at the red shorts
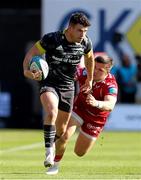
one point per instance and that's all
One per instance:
(89, 128)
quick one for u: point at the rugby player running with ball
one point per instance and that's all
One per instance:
(63, 51)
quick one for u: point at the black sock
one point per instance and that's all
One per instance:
(49, 135)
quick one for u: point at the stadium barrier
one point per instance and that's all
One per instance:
(125, 117)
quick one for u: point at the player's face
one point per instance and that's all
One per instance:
(78, 32)
(100, 71)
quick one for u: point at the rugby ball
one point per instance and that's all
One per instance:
(38, 63)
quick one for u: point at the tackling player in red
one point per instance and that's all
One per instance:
(90, 111)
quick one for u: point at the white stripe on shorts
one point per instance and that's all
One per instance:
(87, 135)
(77, 118)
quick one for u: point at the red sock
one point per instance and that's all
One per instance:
(58, 158)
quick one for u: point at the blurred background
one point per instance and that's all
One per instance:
(115, 29)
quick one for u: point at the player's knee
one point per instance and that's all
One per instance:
(52, 114)
(79, 152)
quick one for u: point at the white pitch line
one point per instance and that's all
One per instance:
(21, 148)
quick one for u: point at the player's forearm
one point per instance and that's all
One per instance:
(89, 64)
(32, 52)
(26, 61)
(105, 105)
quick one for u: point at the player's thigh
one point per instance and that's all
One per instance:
(62, 122)
(83, 144)
(50, 105)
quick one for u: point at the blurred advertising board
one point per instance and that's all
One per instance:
(106, 17)
(125, 117)
(5, 104)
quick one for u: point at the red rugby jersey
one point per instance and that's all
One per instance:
(99, 90)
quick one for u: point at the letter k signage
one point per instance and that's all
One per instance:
(106, 35)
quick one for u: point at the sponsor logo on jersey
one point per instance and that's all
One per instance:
(92, 127)
(60, 48)
(97, 86)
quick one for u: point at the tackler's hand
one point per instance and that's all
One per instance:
(86, 88)
(91, 100)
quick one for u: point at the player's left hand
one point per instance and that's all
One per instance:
(86, 88)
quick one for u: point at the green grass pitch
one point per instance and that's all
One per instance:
(116, 155)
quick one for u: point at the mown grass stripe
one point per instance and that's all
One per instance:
(22, 148)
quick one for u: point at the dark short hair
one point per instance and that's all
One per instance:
(79, 18)
(104, 59)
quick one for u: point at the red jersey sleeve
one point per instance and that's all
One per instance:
(111, 87)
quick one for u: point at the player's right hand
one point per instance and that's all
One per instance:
(35, 75)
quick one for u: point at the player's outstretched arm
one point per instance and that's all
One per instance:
(106, 105)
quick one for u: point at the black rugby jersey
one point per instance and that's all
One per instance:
(63, 57)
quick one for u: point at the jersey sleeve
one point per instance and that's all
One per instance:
(47, 41)
(111, 89)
